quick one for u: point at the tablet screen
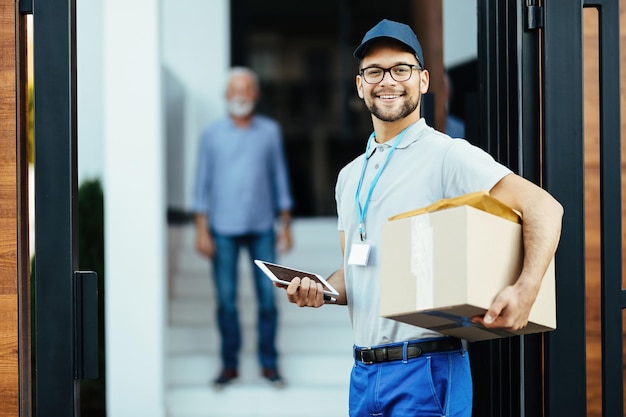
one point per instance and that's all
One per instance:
(286, 274)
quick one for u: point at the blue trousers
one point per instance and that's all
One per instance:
(431, 385)
(225, 274)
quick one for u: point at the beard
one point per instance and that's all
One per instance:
(240, 107)
(407, 107)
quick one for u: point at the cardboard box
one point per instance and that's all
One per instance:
(441, 268)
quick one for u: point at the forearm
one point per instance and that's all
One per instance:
(337, 280)
(541, 223)
(201, 222)
(285, 217)
(204, 241)
(541, 233)
(541, 230)
(285, 240)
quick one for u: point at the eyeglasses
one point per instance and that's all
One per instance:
(400, 73)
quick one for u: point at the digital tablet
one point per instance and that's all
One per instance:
(284, 275)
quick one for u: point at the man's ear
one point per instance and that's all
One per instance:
(424, 81)
(359, 86)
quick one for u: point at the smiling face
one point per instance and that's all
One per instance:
(389, 100)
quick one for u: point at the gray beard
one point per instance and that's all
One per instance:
(240, 108)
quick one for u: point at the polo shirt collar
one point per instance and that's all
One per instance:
(412, 134)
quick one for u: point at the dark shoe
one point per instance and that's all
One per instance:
(225, 377)
(273, 377)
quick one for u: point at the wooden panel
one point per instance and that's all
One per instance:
(9, 381)
(427, 19)
(592, 203)
(592, 212)
(9, 369)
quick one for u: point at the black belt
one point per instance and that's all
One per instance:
(383, 354)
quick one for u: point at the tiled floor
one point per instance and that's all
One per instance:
(315, 344)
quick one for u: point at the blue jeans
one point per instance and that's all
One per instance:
(227, 248)
(431, 385)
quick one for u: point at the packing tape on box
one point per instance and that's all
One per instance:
(457, 321)
(480, 200)
(422, 261)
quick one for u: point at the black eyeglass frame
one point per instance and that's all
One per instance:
(389, 70)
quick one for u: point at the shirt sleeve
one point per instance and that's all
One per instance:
(338, 193)
(284, 200)
(468, 168)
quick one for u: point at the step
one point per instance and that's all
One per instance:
(315, 345)
(202, 311)
(257, 400)
(311, 338)
(316, 370)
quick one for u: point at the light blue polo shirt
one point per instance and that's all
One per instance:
(426, 166)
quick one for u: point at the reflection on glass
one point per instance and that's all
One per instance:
(592, 210)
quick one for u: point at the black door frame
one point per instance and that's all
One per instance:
(65, 339)
(56, 389)
(564, 177)
(508, 372)
(565, 154)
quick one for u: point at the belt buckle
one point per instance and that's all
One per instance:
(371, 356)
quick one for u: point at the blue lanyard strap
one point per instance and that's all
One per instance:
(361, 211)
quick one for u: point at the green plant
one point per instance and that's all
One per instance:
(91, 258)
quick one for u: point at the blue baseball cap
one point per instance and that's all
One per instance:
(391, 30)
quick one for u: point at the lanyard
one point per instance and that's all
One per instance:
(361, 211)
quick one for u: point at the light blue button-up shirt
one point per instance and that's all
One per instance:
(242, 181)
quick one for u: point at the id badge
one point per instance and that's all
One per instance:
(359, 254)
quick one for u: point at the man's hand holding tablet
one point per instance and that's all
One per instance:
(284, 275)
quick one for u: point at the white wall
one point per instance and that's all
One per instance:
(89, 54)
(151, 74)
(195, 47)
(459, 32)
(135, 224)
